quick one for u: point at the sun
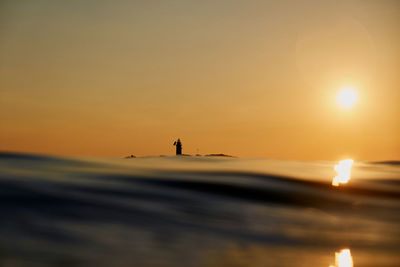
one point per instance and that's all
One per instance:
(347, 97)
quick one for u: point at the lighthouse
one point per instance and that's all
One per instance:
(178, 145)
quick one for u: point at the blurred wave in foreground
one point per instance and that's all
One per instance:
(195, 211)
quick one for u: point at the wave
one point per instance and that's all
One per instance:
(80, 209)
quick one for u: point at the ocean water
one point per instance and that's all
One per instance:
(196, 211)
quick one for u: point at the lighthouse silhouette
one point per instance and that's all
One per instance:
(178, 145)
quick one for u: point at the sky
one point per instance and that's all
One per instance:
(246, 78)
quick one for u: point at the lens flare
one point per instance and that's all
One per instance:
(343, 172)
(343, 259)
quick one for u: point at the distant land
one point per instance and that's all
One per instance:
(220, 155)
(388, 162)
(197, 155)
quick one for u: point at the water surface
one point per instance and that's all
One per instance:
(195, 211)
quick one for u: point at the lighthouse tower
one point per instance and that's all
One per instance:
(178, 145)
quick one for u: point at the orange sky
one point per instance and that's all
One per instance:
(248, 78)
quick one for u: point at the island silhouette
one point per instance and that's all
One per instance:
(178, 152)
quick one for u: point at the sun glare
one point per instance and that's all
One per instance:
(343, 259)
(343, 172)
(347, 97)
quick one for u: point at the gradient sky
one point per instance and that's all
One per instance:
(248, 78)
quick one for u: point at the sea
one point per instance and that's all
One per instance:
(196, 211)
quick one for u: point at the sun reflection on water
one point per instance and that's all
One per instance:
(343, 259)
(343, 172)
